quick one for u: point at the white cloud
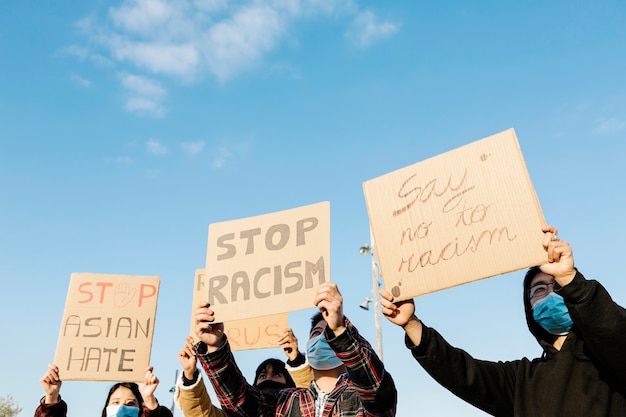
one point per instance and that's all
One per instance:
(142, 85)
(124, 160)
(609, 125)
(170, 59)
(228, 151)
(211, 6)
(141, 16)
(187, 39)
(78, 51)
(155, 147)
(192, 148)
(222, 155)
(328, 7)
(144, 96)
(80, 81)
(366, 29)
(235, 44)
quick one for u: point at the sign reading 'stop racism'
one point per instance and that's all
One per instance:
(464, 215)
(268, 264)
(107, 327)
(246, 334)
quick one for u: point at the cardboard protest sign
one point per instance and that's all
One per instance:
(252, 333)
(464, 215)
(107, 327)
(268, 264)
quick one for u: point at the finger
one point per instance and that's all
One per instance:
(386, 295)
(387, 303)
(549, 229)
(390, 310)
(555, 248)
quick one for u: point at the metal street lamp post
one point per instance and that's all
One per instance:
(369, 250)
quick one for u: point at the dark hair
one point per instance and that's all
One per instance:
(131, 386)
(317, 317)
(278, 366)
(539, 332)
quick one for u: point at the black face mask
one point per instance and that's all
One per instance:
(269, 385)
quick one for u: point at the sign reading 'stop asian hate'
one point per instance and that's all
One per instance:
(107, 327)
(268, 264)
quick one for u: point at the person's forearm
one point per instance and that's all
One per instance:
(150, 402)
(52, 398)
(413, 329)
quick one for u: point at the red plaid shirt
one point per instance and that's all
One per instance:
(367, 390)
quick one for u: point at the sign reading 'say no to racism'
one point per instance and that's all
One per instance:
(464, 215)
(268, 264)
(107, 327)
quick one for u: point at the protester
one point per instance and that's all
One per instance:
(192, 397)
(349, 379)
(297, 364)
(582, 331)
(125, 399)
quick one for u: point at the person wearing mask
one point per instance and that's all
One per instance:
(192, 397)
(125, 399)
(349, 378)
(582, 331)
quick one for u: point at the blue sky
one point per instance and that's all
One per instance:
(126, 128)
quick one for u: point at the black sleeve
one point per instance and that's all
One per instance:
(489, 386)
(600, 323)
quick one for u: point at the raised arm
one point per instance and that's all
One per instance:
(598, 320)
(233, 391)
(297, 364)
(373, 383)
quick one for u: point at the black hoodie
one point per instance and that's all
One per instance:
(586, 377)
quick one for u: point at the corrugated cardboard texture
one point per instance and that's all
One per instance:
(247, 334)
(461, 216)
(268, 264)
(107, 327)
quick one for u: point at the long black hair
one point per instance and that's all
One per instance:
(131, 386)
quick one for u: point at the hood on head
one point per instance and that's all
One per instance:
(539, 332)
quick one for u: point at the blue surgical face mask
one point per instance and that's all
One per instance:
(551, 314)
(122, 411)
(320, 355)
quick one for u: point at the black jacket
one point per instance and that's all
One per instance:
(587, 377)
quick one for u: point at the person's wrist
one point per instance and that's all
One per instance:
(189, 374)
(150, 402)
(565, 279)
(412, 323)
(51, 398)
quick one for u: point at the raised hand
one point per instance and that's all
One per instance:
(289, 342)
(560, 257)
(330, 302)
(51, 384)
(401, 313)
(210, 332)
(188, 359)
(148, 387)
